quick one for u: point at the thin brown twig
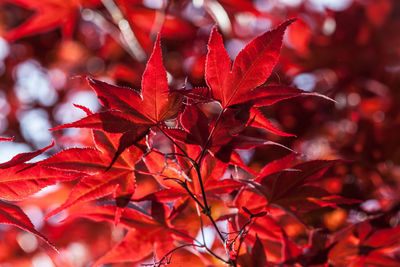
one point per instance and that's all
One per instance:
(184, 185)
(107, 27)
(127, 34)
(206, 209)
(204, 240)
(242, 233)
(165, 257)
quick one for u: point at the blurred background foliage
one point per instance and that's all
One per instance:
(348, 50)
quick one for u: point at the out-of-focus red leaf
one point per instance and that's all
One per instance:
(290, 249)
(258, 254)
(13, 215)
(240, 6)
(49, 14)
(293, 191)
(144, 19)
(136, 246)
(299, 36)
(6, 138)
(146, 233)
(382, 238)
(364, 245)
(378, 11)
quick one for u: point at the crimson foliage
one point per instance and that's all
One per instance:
(188, 168)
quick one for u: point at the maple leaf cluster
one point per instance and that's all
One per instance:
(181, 164)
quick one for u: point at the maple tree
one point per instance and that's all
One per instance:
(215, 133)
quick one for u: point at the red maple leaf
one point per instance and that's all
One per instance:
(294, 190)
(148, 232)
(6, 138)
(13, 215)
(131, 112)
(364, 245)
(222, 135)
(20, 180)
(179, 176)
(251, 68)
(241, 82)
(49, 14)
(119, 180)
(23, 157)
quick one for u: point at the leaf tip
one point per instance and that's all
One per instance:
(157, 43)
(286, 23)
(57, 128)
(50, 146)
(214, 29)
(90, 80)
(7, 138)
(322, 96)
(84, 109)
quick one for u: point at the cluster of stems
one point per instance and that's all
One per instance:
(204, 208)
